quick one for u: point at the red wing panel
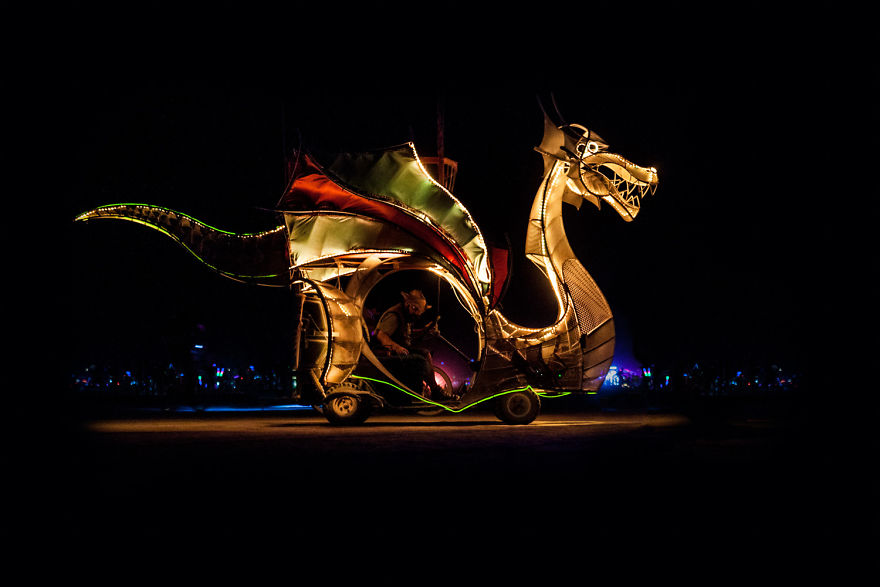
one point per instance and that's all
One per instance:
(500, 261)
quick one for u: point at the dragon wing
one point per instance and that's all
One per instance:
(391, 186)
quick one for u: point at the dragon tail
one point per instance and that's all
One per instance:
(258, 258)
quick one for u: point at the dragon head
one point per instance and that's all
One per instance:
(594, 172)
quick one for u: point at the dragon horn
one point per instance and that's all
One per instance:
(557, 122)
(259, 258)
(555, 107)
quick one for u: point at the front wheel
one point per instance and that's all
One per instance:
(519, 407)
(347, 409)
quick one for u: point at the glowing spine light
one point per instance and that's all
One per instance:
(483, 268)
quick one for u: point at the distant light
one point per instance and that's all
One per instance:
(275, 408)
(613, 377)
(198, 346)
(288, 407)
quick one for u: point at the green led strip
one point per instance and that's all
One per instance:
(463, 408)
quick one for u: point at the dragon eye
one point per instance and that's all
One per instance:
(593, 147)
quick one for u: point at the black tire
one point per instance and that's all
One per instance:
(347, 409)
(519, 407)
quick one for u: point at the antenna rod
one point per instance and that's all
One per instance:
(441, 171)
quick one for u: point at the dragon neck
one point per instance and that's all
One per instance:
(546, 242)
(576, 294)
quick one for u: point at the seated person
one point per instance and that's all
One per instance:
(399, 338)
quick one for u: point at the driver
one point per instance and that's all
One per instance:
(401, 332)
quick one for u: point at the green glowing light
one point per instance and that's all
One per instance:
(552, 394)
(454, 410)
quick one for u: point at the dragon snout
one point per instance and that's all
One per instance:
(617, 181)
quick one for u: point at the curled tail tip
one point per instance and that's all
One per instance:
(107, 211)
(86, 215)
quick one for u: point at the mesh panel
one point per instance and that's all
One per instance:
(589, 304)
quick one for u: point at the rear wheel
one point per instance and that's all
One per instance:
(519, 407)
(347, 408)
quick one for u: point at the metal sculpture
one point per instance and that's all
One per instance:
(352, 221)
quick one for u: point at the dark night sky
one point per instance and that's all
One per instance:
(717, 265)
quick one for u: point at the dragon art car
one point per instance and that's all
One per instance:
(349, 221)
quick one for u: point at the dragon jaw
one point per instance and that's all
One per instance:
(614, 179)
